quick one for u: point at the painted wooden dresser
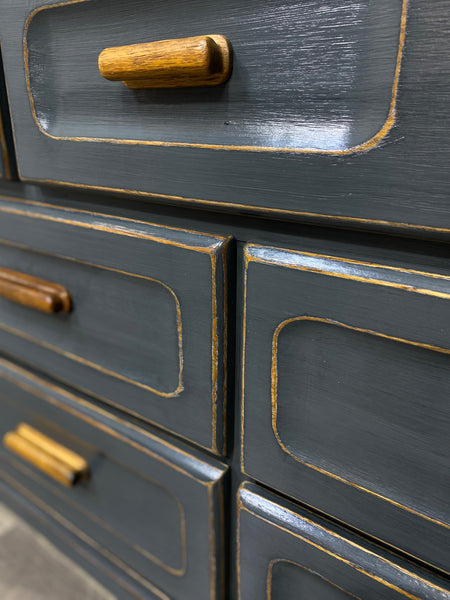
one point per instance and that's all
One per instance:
(225, 293)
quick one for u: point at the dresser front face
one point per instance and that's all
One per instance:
(352, 101)
(235, 311)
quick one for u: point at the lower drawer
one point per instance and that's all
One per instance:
(149, 506)
(282, 548)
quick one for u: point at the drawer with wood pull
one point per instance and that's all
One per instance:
(326, 106)
(346, 381)
(282, 549)
(148, 506)
(130, 312)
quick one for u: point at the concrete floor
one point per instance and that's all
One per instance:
(31, 568)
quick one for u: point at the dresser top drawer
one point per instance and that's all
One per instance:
(336, 126)
(147, 326)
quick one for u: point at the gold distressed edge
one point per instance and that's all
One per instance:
(247, 259)
(259, 210)
(274, 399)
(244, 486)
(291, 562)
(56, 516)
(214, 352)
(344, 260)
(360, 279)
(20, 200)
(368, 145)
(79, 507)
(220, 470)
(91, 364)
(212, 251)
(111, 230)
(225, 250)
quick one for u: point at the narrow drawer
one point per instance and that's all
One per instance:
(335, 126)
(282, 548)
(145, 329)
(151, 507)
(346, 385)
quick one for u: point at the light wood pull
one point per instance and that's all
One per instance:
(33, 292)
(45, 454)
(187, 62)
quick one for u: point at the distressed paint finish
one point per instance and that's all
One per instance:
(280, 545)
(148, 321)
(345, 392)
(336, 113)
(151, 505)
(370, 188)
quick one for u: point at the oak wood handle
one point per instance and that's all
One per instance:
(45, 454)
(33, 292)
(186, 62)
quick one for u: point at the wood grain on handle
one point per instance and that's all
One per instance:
(34, 292)
(187, 62)
(45, 454)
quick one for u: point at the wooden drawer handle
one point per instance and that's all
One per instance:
(187, 62)
(33, 292)
(45, 454)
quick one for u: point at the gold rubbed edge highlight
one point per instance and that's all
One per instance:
(259, 210)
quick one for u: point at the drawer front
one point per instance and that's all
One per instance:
(315, 125)
(146, 329)
(345, 393)
(282, 548)
(145, 504)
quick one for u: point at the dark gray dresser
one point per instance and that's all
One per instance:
(225, 293)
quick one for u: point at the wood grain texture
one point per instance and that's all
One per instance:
(39, 458)
(346, 379)
(34, 292)
(281, 545)
(150, 505)
(188, 62)
(75, 462)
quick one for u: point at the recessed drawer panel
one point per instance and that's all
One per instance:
(142, 502)
(235, 114)
(346, 379)
(145, 320)
(336, 125)
(282, 548)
